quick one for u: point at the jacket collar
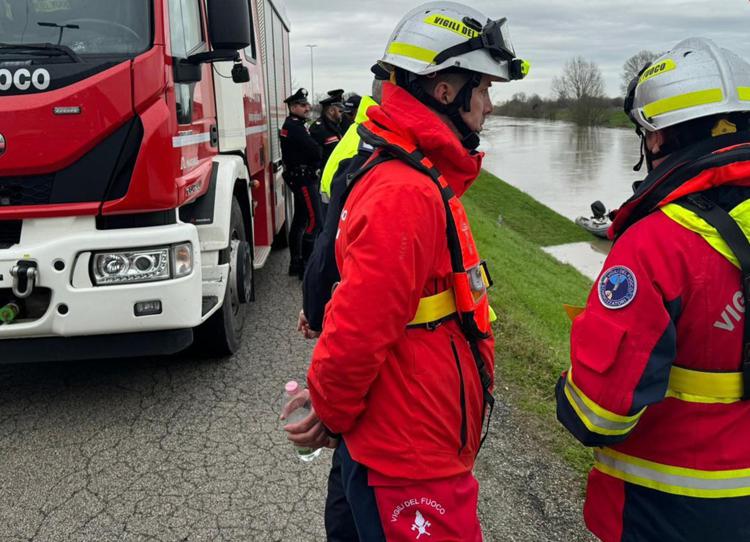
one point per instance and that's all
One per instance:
(409, 119)
(721, 161)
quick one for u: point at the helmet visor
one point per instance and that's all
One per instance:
(496, 39)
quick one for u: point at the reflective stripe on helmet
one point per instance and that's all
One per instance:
(683, 101)
(707, 484)
(657, 69)
(412, 51)
(596, 418)
(443, 21)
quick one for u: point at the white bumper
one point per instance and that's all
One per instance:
(93, 310)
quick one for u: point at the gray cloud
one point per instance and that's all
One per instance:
(351, 35)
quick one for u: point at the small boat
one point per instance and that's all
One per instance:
(598, 223)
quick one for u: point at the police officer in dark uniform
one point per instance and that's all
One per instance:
(301, 157)
(351, 104)
(326, 130)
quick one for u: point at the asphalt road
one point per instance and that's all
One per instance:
(186, 449)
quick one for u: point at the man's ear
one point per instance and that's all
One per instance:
(655, 140)
(443, 93)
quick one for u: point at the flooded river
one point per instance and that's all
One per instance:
(566, 167)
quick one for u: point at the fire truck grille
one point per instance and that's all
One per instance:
(10, 233)
(33, 190)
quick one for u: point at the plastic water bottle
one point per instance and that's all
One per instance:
(299, 411)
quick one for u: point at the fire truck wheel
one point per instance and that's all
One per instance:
(220, 335)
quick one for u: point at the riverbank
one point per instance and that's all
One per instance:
(611, 118)
(532, 330)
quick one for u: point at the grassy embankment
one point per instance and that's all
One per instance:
(530, 287)
(613, 118)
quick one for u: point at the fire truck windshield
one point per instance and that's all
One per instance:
(87, 27)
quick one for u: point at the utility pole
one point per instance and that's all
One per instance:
(312, 72)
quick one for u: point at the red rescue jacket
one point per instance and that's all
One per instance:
(399, 395)
(654, 380)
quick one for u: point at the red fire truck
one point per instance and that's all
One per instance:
(140, 172)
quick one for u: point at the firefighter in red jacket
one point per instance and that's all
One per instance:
(660, 357)
(403, 368)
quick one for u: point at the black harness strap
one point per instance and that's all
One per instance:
(735, 238)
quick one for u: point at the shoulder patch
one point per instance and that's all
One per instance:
(617, 287)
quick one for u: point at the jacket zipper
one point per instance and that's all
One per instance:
(462, 396)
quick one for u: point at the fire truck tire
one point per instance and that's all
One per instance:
(281, 239)
(220, 335)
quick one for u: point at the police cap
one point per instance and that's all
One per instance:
(332, 100)
(299, 97)
(352, 103)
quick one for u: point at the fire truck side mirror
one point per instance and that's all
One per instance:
(229, 24)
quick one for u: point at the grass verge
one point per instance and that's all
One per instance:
(532, 331)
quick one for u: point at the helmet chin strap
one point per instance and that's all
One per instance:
(462, 101)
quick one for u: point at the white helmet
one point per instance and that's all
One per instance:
(441, 35)
(695, 79)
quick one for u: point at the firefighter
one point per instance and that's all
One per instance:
(301, 157)
(326, 130)
(349, 155)
(403, 368)
(660, 357)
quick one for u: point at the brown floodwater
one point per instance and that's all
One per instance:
(565, 167)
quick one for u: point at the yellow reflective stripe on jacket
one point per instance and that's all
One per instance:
(412, 51)
(691, 221)
(596, 418)
(704, 386)
(345, 149)
(683, 101)
(434, 308)
(743, 93)
(707, 484)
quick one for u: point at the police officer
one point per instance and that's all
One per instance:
(351, 104)
(326, 130)
(301, 157)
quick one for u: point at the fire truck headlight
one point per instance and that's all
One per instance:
(126, 267)
(183, 259)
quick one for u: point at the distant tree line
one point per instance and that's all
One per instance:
(578, 95)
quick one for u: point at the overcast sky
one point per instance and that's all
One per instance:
(351, 35)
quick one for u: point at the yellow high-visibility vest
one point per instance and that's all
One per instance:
(345, 149)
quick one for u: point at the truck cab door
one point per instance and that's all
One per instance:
(196, 135)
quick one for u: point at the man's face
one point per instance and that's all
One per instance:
(334, 113)
(481, 105)
(300, 110)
